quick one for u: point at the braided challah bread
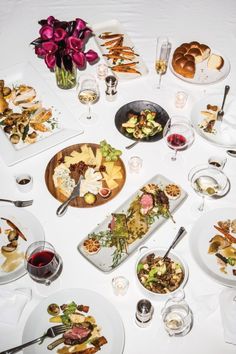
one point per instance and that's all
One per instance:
(187, 56)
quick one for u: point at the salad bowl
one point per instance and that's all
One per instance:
(145, 273)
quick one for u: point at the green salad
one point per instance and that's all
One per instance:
(142, 125)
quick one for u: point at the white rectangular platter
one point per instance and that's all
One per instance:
(66, 125)
(104, 258)
(115, 27)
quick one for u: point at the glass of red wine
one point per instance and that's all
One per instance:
(178, 135)
(42, 262)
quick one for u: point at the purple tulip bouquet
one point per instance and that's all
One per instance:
(61, 44)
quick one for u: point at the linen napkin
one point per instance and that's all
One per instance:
(228, 314)
(12, 303)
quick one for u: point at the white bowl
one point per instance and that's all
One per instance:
(160, 252)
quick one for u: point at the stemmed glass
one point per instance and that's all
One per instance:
(88, 93)
(42, 262)
(162, 56)
(177, 315)
(178, 135)
(208, 182)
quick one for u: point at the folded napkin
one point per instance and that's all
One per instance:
(12, 303)
(228, 314)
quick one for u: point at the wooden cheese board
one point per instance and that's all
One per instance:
(89, 154)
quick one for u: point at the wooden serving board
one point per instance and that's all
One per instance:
(79, 202)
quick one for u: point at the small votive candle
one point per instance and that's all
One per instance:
(180, 99)
(120, 285)
(102, 71)
(24, 182)
(135, 164)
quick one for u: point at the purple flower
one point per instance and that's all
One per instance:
(74, 43)
(59, 34)
(91, 56)
(46, 32)
(50, 60)
(79, 59)
(40, 51)
(63, 43)
(50, 49)
(80, 24)
(51, 20)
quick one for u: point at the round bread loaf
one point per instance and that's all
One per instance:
(186, 57)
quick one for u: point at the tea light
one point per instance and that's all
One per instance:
(102, 71)
(135, 164)
(120, 285)
(24, 182)
(180, 99)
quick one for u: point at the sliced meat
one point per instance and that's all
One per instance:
(78, 334)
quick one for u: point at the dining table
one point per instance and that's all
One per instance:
(212, 22)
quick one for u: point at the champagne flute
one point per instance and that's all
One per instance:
(88, 93)
(42, 262)
(162, 56)
(178, 135)
(208, 182)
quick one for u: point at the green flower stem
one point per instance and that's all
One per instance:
(65, 79)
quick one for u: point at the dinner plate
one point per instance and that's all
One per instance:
(224, 133)
(204, 75)
(115, 27)
(101, 309)
(201, 233)
(72, 151)
(136, 107)
(63, 126)
(106, 258)
(31, 229)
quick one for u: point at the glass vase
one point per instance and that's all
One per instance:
(66, 79)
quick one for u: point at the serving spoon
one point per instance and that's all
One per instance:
(175, 241)
(133, 144)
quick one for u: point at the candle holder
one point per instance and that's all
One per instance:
(135, 164)
(180, 99)
(102, 71)
(120, 285)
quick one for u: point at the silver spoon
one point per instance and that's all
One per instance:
(176, 239)
(231, 153)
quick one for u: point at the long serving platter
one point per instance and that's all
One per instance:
(103, 258)
(64, 124)
(115, 27)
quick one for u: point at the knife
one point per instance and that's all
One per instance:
(75, 193)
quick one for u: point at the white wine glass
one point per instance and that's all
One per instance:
(162, 56)
(178, 135)
(88, 94)
(208, 182)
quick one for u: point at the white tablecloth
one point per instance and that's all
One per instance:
(208, 21)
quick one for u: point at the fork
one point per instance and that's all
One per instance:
(51, 332)
(220, 114)
(18, 203)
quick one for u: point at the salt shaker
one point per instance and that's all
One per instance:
(111, 92)
(144, 313)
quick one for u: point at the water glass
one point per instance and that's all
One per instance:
(177, 316)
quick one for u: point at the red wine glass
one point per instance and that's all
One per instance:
(178, 135)
(42, 262)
